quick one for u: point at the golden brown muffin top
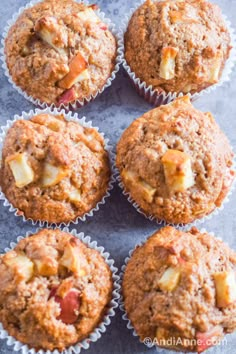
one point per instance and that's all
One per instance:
(175, 162)
(52, 169)
(53, 290)
(177, 46)
(60, 51)
(180, 287)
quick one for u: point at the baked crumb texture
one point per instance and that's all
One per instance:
(179, 288)
(177, 46)
(60, 51)
(52, 169)
(175, 162)
(54, 290)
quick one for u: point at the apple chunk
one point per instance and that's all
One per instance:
(21, 266)
(88, 15)
(50, 121)
(46, 266)
(74, 195)
(170, 279)
(225, 284)
(177, 170)
(214, 68)
(69, 305)
(52, 175)
(67, 96)
(146, 190)
(71, 257)
(21, 169)
(167, 66)
(51, 32)
(208, 339)
(78, 72)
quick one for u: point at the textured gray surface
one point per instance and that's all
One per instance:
(117, 226)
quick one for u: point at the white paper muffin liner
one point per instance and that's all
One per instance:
(148, 342)
(102, 327)
(163, 222)
(158, 98)
(70, 117)
(77, 103)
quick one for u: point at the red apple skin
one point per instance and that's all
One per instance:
(181, 260)
(67, 96)
(69, 305)
(103, 26)
(94, 6)
(207, 339)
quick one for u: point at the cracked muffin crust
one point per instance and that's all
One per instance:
(54, 290)
(179, 289)
(177, 46)
(175, 162)
(52, 169)
(60, 51)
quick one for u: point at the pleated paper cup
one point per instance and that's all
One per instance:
(148, 341)
(158, 98)
(183, 226)
(77, 103)
(69, 116)
(102, 327)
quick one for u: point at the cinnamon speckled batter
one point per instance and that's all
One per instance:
(29, 309)
(177, 46)
(188, 312)
(176, 126)
(37, 67)
(52, 142)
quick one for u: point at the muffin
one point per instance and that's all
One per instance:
(60, 51)
(175, 162)
(54, 290)
(179, 290)
(177, 46)
(53, 169)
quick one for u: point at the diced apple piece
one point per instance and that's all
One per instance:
(178, 171)
(225, 283)
(187, 88)
(21, 169)
(74, 195)
(177, 16)
(78, 72)
(170, 279)
(69, 304)
(103, 26)
(88, 15)
(167, 66)
(21, 265)
(208, 339)
(54, 34)
(214, 69)
(48, 120)
(46, 266)
(165, 338)
(67, 96)
(162, 334)
(52, 175)
(94, 6)
(64, 287)
(129, 175)
(83, 76)
(145, 188)
(147, 191)
(71, 258)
